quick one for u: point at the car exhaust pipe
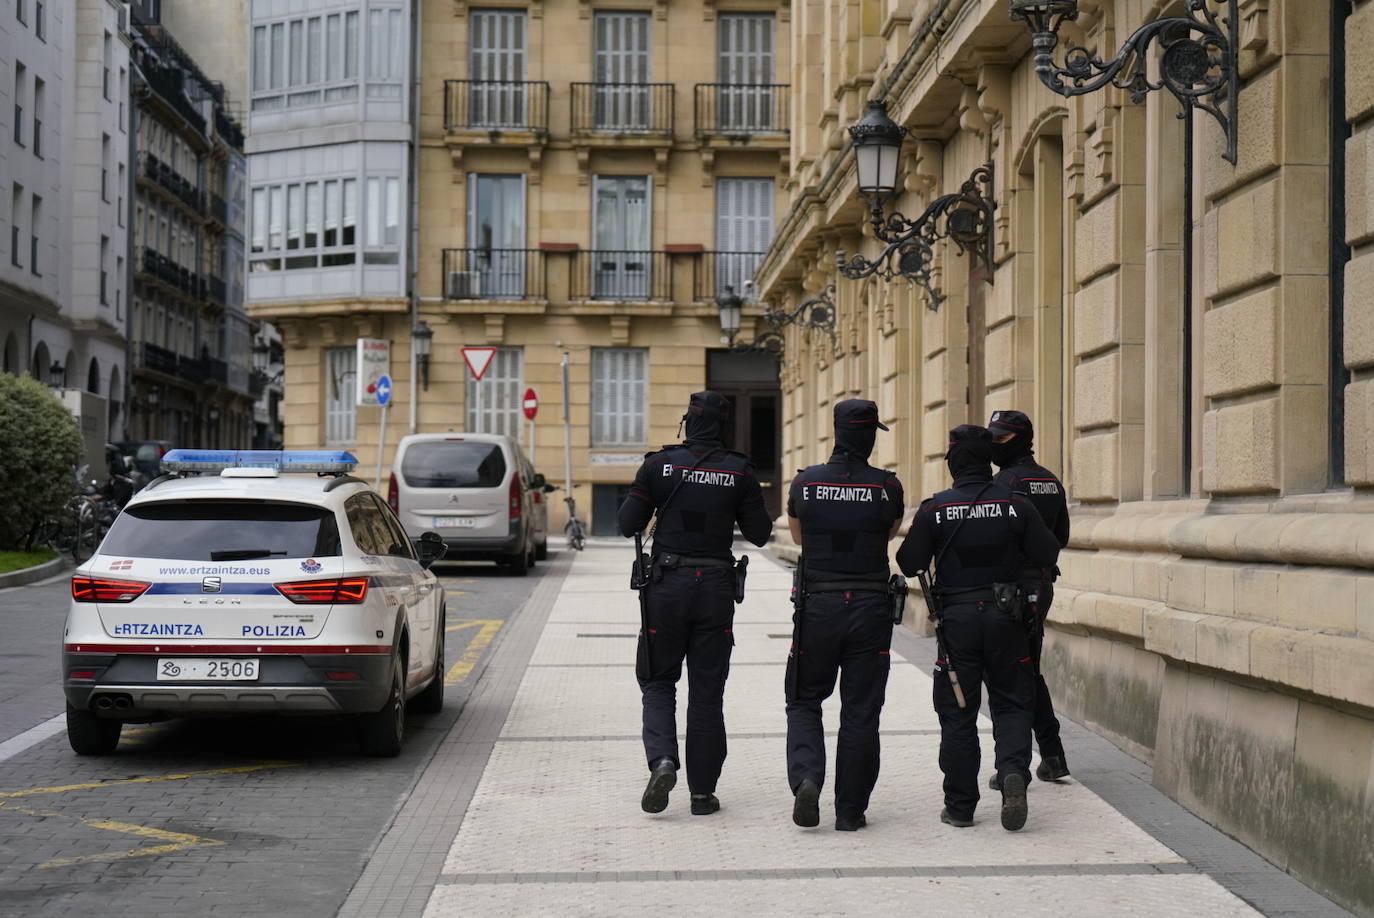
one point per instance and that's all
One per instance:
(104, 702)
(122, 703)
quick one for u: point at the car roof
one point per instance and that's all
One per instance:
(456, 435)
(300, 489)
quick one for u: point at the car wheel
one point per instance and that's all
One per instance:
(431, 700)
(382, 732)
(91, 735)
(519, 563)
(541, 551)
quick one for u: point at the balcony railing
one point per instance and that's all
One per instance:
(622, 108)
(493, 274)
(215, 370)
(172, 274)
(168, 82)
(741, 108)
(228, 129)
(718, 270)
(191, 369)
(602, 274)
(216, 289)
(496, 105)
(159, 358)
(218, 208)
(166, 177)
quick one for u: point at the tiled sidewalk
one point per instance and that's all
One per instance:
(554, 825)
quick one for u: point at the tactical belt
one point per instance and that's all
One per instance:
(956, 596)
(668, 561)
(849, 586)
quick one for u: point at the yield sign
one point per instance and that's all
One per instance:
(530, 403)
(478, 359)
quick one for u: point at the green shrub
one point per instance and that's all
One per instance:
(40, 448)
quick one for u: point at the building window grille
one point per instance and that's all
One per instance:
(306, 61)
(620, 389)
(341, 409)
(496, 409)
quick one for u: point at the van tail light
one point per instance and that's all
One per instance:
(516, 506)
(333, 590)
(103, 589)
(393, 495)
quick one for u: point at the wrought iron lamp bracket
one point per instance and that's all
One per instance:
(818, 313)
(1199, 63)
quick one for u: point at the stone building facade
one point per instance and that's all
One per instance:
(591, 176)
(1195, 342)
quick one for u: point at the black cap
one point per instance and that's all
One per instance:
(1009, 422)
(969, 433)
(858, 413)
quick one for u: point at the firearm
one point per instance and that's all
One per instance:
(933, 609)
(798, 613)
(639, 581)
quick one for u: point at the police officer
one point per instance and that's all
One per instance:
(700, 490)
(979, 534)
(1012, 436)
(842, 513)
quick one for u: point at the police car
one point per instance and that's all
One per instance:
(229, 586)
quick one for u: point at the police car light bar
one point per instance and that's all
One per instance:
(283, 460)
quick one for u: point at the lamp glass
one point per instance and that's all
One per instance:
(424, 338)
(729, 313)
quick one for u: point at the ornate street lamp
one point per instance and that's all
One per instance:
(730, 306)
(818, 313)
(422, 339)
(1199, 63)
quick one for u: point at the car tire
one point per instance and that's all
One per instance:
(541, 551)
(431, 700)
(91, 735)
(381, 733)
(519, 563)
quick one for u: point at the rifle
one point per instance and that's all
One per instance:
(933, 610)
(798, 613)
(639, 581)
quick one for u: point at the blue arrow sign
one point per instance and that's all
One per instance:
(383, 389)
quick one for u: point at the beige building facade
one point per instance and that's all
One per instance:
(1194, 341)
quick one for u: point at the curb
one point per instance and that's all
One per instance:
(33, 574)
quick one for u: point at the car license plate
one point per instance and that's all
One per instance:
(206, 669)
(455, 522)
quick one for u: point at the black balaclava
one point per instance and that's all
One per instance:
(1016, 423)
(707, 418)
(856, 428)
(970, 452)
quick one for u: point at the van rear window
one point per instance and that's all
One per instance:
(223, 530)
(453, 464)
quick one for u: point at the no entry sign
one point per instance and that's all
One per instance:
(478, 359)
(530, 403)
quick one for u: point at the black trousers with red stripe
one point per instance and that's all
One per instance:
(1046, 723)
(849, 635)
(691, 618)
(984, 646)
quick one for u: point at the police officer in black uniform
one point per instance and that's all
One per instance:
(1012, 437)
(980, 534)
(842, 513)
(700, 490)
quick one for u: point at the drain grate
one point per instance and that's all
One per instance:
(781, 636)
(580, 634)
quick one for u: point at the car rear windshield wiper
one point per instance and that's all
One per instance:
(243, 554)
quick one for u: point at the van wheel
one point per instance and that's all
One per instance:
(91, 735)
(519, 563)
(381, 733)
(431, 700)
(541, 551)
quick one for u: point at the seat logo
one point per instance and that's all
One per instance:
(453, 498)
(210, 585)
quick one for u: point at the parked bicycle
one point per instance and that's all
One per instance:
(573, 528)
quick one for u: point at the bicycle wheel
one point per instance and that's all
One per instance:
(86, 536)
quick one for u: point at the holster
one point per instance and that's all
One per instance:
(897, 586)
(639, 572)
(741, 573)
(1010, 599)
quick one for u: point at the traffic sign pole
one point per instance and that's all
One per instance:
(383, 399)
(530, 404)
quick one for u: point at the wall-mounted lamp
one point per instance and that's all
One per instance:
(422, 339)
(1199, 64)
(818, 313)
(57, 374)
(154, 395)
(213, 414)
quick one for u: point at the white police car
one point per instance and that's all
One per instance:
(226, 587)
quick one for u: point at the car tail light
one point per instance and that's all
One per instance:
(393, 495)
(344, 590)
(516, 507)
(103, 589)
(342, 676)
(81, 674)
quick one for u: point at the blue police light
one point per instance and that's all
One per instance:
(284, 460)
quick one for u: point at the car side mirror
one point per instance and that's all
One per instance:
(430, 547)
(549, 489)
(538, 481)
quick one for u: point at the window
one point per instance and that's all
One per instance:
(341, 410)
(123, 94)
(289, 219)
(493, 405)
(399, 542)
(20, 72)
(119, 294)
(16, 202)
(39, 95)
(386, 53)
(621, 59)
(40, 20)
(104, 272)
(119, 206)
(744, 229)
(620, 389)
(302, 61)
(229, 530)
(744, 68)
(383, 217)
(35, 222)
(496, 65)
(362, 523)
(105, 168)
(453, 464)
(108, 59)
(21, 11)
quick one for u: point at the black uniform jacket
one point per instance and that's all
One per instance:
(846, 508)
(998, 532)
(1045, 490)
(718, 489)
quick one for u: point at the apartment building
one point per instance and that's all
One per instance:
(63, 172)
(192, 340)
(1193, 339)
(591, 178)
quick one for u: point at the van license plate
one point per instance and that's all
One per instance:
(454, 522)
(206, 669)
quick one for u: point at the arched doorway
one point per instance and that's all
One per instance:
(11, 356)
(116, 404)
(42, 360)
(93, 377)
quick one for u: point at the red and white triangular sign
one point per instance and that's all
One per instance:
(478, 359)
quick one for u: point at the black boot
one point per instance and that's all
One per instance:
(995, 782)
(955, 821)
(849, 822)
(1052, 768)
(806, 810)
(661, 780)
(704, 804)
(1013, 802)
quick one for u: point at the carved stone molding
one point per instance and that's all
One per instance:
(494, 327)
(1254, 25)
(620, 331)
(971, 117)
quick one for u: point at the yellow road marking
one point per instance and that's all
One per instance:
(61, 789)
(486, 633)
(172, 841)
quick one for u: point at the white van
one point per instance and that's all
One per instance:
(478, 491)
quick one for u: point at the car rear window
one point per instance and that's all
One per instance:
(223, 530)
(454, 464)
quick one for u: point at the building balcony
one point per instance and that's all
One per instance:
(191, 369)
(228, 129)
(621, 109)
(169, 84)
(493, 274)
(174, 183)
(159, 359)
(217, 208)
(182, 280)
(741, 110)
(718, 270)
(603, 274)
(216, 289)
(496, 105)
